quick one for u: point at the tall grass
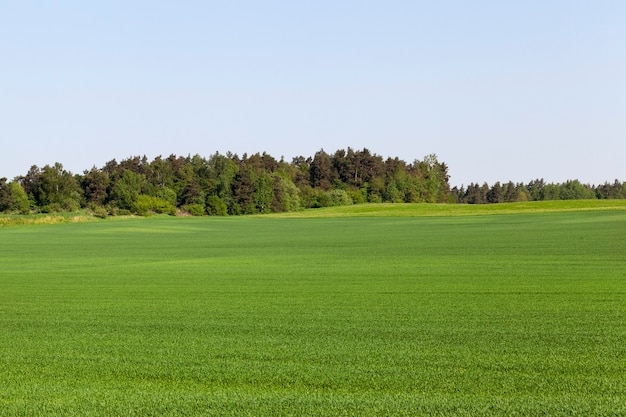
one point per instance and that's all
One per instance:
(458, 315)
(40, 219)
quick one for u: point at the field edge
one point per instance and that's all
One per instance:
(440, 209)
(359, 210)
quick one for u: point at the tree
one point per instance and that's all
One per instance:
(13, 198)
(160, 173)
(135, 164)
(286, 196)
(243, 192)
(551, 192)
(574, 190)
(494, 195)
(535, 189)
(613, 191)
(215, 206)
(94, 184)
(510, 192)
(321, 171)
(433, 179)
(223, 171)
(30, 183)
(57, 189)
(339, 197)
(21, 204)
(263, 194)
(6, 197)
(476, 194)
(300, 172)
(192, 194)
(127, 188)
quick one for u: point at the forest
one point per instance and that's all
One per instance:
(259, 183)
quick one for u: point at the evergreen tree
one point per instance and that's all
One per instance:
(126, 189)
(94, 184)
(495, 193)
(321, 171)
(6, 197)
(243, 191)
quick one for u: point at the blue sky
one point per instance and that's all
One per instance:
(499, 90)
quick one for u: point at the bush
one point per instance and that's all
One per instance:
(194, 209)
(319, 198)
(144, 205)
(167, 194)
(215, 206)
(375, 198)
(339, 197)
(356, 196)
(98, 211)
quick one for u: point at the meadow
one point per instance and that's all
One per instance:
(520, 313)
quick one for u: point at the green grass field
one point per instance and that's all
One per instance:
(519, 314)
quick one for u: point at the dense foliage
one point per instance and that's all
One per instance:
(537, 190)
(258, 183)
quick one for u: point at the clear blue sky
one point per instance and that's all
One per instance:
(499, 90)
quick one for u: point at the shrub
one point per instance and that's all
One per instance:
(356, 196)
(194, 209)
(339, 197)
(144, 205)
(98, 211)
(215, 206)
(375, 198)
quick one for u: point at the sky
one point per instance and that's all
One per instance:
(498, 90)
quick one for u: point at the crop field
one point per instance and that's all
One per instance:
(513, 314)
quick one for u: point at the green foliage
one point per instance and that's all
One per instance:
(144, 205)
(20, 202)
(95, 184)
(319, 198)
(127, 189)
(263, 193)
(6, 198)
(286, 196)
(574, 190)
(339, 197)
(194, 209)
(258, 183)
(216, 207)
(98, 211)
(337, 316)
(357, 196)
(53, 189)
(223, 170)
(167, 194)
(13, 198)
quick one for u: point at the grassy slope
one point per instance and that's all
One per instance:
(370, 210)
(410, 210)
(479, 315)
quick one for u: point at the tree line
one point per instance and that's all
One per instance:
(258, 183)
(537, 190)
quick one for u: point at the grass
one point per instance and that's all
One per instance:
(517, 314)
(47, 218)
(438, 210)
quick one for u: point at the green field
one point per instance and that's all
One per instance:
(521, 313)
